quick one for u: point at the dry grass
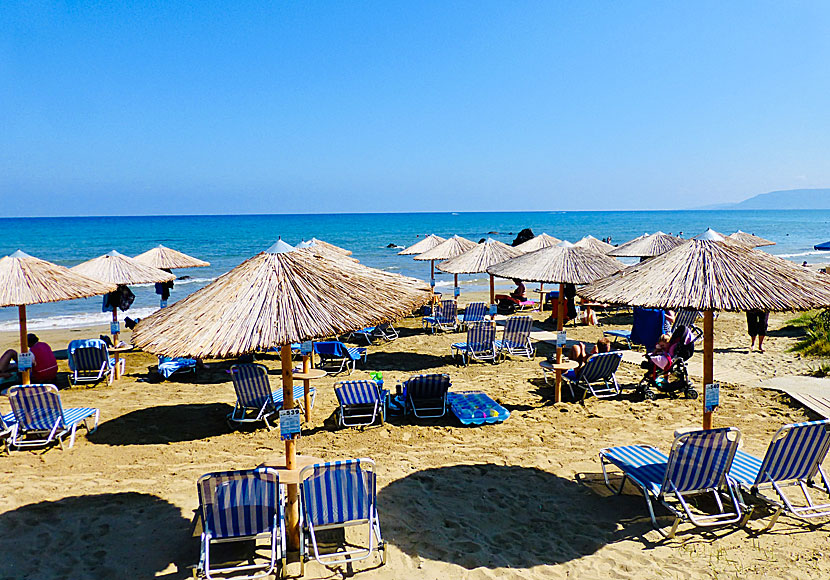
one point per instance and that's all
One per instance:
(164, 257)
(116, 268)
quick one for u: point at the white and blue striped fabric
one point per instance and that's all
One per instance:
(87, 354)
(337, 493)
(481, 342)
(701, 461)
(427, 386)
(516, 337)
(474, 312)
(237, 504)
(357, 392)
(37, 409)
(601, 366)
(445, 316)
(250, 381)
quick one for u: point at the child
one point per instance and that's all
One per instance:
(660, 356)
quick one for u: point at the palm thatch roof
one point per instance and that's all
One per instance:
(562, 264)
(116, 268)
(647, 246)
(455, 246)
(750, 240)
(326, 250)
(164, 257)
(592, 243)
(543, 240)
(710, 235)
(326, 245)
(422, 246)
(478, 259)
(278, 297)
(712, 275)
(25, 279)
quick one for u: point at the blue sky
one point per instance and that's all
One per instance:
(285, 107)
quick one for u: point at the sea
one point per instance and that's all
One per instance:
(375, 239)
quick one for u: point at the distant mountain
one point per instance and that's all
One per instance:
(787, 199)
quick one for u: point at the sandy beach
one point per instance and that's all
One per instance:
(520, 499)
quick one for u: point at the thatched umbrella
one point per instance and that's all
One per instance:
(279, 296)
(750, 240)
(326, 250)
(562, 264)
(165, 258)
(593, 243)
(116, 268)
(327, 246)
(543, 240)
(478, 259)
(709, 276)
(710, 235)
(422, 246)
(647, 246)
(446, 250)
(27, 280)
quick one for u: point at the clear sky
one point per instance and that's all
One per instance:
(342, 106)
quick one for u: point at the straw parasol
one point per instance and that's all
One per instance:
(750, 240)
(116, 268)
(28, 280)
(647, 246)
(478, 259)
(279, 296)
(446, 250)
(592, 243)
(562, 264)
(711, 236)
(162, 257)
(543, 240)
(713, 276)
(326, 250)
(422, 246)
(327, 246)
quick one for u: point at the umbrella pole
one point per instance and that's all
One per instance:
(292, 508)
(560, 319)
(24, 343)
(708, 361)
(492, 289)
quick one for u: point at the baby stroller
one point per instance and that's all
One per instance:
(673, 378)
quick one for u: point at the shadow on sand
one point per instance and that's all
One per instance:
(164, 424)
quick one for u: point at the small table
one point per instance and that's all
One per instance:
(311, 375)
(116, 352)
(565, 365)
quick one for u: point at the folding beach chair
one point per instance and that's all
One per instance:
(445, 317)
(426, 395)
(793, 458)
(169, 366)
(89, 361)
(698, 463)
(475, 312)
(254, 399)
(687, 318)
(361, 402)
(338, 495)
(40, 419)
(383, 331)
(598, 376)
(7, 431)
(245, 505)
(516, 337)
(646, 328)
(480, 344)
(334, 353)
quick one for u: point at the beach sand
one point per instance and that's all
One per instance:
(521, 499)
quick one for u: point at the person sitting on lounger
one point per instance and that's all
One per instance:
(520, 293)
(45, 367)
(580, 354)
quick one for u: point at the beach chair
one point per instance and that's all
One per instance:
(474, 312)
(480, 344)
(697, 464)
(425, 396)
(254, 399)
(445, 317)
(242, 506)
(40, 419)
(334, 353)
(168, 366)
(793, 458)
(598, 376)
(687, 318)
(89, 361)
(338, 495)
(516, 337)
(645, 330)
(383, 331)
(7, 430)
(361, 402)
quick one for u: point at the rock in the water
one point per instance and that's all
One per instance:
(524, 235)
(390, 245)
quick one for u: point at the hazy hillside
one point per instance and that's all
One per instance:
(787, 199)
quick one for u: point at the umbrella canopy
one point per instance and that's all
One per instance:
(164, 257)
(647, 246)
(710, 235)
(278, 297)
(422, 246)
(561, 264)
(750, 240)
(325, 250)
(326, 245)
(455, 246)
(543, 240)
(116, 268)
(592, 243)
(479, 258)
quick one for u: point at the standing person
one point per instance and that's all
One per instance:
(757, 322)
(45, 366)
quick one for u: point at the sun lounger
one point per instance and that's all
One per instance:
(40, 419)
(474, 312)
(333, 353)
(383, 331)
(516, 337)
(698, 464)
(242, 506)
(598, 376)
(361, 403)
(169, 366)
(793, 459)
(445, 317)
(89, 361)
(254, 399)
(480, 344)
(426, 395)
(646, 328)
(7, 431)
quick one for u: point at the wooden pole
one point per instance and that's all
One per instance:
(292, 509)
(492, 289)
(708, 361)
(307, 388)
(24, 342)
(560, 319)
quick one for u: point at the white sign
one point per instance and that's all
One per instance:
(305, 347)
(711, 397)
(115, 328)
(561, 339)
(290, 423)
(25, 361)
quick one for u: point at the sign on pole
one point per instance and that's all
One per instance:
(290, 424)
(711, 397)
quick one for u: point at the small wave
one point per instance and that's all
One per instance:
(74, 320)
(799, 254)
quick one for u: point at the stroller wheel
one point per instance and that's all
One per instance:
(648, 395)
(691, 394)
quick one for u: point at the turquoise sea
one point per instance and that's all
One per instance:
(226, 241)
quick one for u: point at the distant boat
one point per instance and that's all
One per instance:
(823, 247)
